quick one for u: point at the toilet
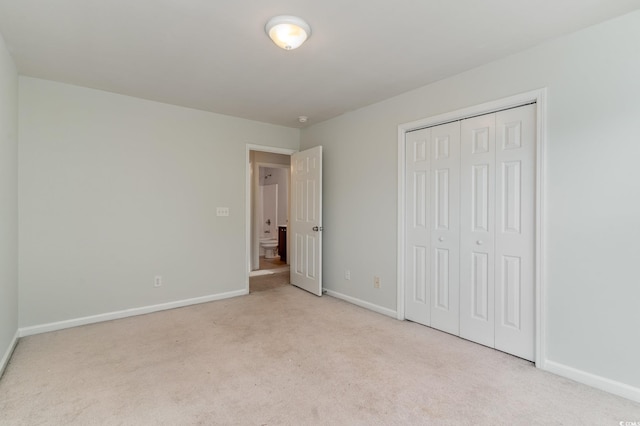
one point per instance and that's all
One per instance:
(270, 246)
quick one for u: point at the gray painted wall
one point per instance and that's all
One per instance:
(8, 200)
(115, 190)
(593, 195)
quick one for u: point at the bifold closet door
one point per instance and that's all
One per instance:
(432, 226)
(497, 230)
(477, 219)
(470, 217)
(445, 227)
(417, 218)
(515, 231)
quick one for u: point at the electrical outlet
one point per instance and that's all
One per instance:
(376, 282)
(157, 282)
(222, 211)
(347, 275)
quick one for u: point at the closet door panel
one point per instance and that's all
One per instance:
(477, 228)
(515, 231)
(445, 227)
(417, 223)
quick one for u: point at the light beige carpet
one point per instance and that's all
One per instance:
(269, 282)
(274, 263)
(273, 273)
(286, 357)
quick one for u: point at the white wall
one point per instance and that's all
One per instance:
(593, 190)
(279, 177)
(8, 203)
(269, 209)
(115, 190)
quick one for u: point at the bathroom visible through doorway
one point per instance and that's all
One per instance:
(269, 201)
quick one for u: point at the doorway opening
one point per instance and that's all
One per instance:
(304, 229)
(268, 190)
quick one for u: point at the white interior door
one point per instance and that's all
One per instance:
(306, 220)
(498, 226)
(477, 229)
(432, 226)
(515, 231)
(417, 231)
(445, 227)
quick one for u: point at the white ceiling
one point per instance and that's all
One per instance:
(214, 55)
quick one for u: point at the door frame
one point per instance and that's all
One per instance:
(539, 97)
(249, 203)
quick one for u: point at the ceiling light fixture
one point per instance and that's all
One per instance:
(288, 32)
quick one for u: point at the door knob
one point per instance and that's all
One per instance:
(317, 228)
(479, 242)
(441, 239)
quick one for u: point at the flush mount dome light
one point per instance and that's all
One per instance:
(288, 32)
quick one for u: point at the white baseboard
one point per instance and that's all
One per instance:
(7, 355)
(598, 382)
(60, 325)
(363, 304)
